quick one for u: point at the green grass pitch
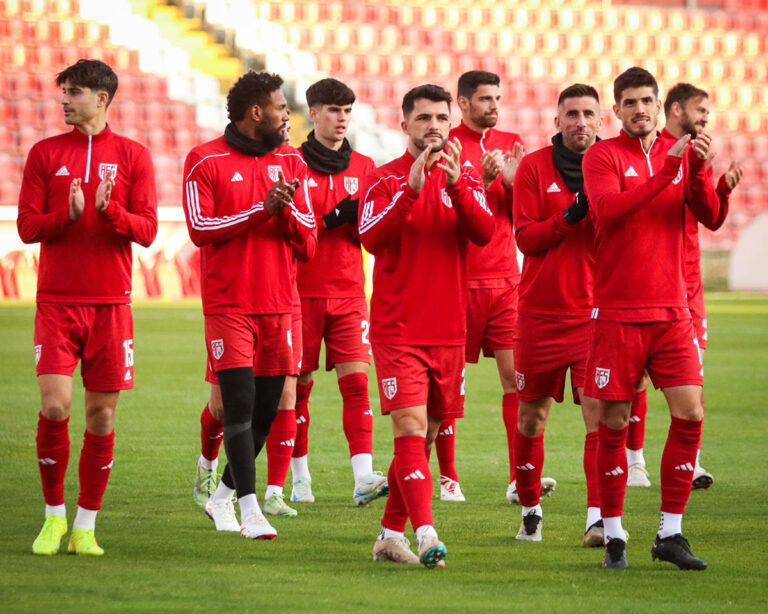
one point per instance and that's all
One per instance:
(163, 555)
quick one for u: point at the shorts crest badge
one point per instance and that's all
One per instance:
(389, 386)
(520, 379)
(38, 352)
(217, 348)
(602, 377)
(350, 184)
(273, 170)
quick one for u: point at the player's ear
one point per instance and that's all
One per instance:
(463, 102)
(404, 125)
(616, 111)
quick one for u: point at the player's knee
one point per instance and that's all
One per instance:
(55, 409)
(305, 378)
(100, 419)
(287, 398)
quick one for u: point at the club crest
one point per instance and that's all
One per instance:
(274, 171)
(105, 168)
(350, 184)
(217, 348)
(389, 386)
(38, 351)
(602, 377)
(520, 379)
(446, 199)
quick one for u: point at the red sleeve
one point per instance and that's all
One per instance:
(298, 220)
(532, 233)
(469, 202)
(602, 183)
(138, 219)
(35, 226)
(386, 207)
(708, 205)
(203, 227)
(304, 252)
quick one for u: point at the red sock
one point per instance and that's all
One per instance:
(52, 457)
(357, 416)
(611, 469)
(211, 435)
(590, 469)
(414, 479)
(302, 419)
(395, 513)
(529, 460)
(445, 446)
(636, 433)
(677, 464)
(509, 405)
(95, 466)
(280, 442)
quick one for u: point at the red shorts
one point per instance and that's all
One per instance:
(619, 352)
(343, 323)
(296, 350)
(263, 342)
(410, 376)
(99, 335)
(491, 320)
(544, 351)
(698, 311)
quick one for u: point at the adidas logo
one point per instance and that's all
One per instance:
(468, 163)
(128, 376)
(301, 420)
(46, 461)
(219, 436)
(312, 183)
(416, 475)
(288, 442)
(62, 172)
(553, 188)
(448, 431)
(526, 467)
(106, 467)
(617, 471)
(236, 177)
(634, 419)
(631, 172)
(684, 467)
(368, 413)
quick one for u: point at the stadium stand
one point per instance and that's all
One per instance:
(176, 58)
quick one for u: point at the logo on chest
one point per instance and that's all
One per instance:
(350, 184)
(446, 199)
(274, 170)
(105, 169)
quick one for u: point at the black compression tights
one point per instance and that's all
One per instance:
(250, 406)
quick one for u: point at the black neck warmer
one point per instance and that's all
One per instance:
(248, 146)
(568, 163)
(324, 160)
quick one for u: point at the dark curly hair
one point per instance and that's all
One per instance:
(329, 91)
(251, 89)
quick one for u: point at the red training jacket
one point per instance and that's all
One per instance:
(420, 244)
(336, 271)
(246, 255)
(87, 262)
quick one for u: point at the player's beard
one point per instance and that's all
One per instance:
(485, 121)
(421, 144)
(273, 140)
(689, 126)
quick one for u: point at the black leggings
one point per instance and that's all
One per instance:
(250, 406)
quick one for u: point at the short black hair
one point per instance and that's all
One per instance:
(329, 91)
(93, 74)
(634, 77)
(435, 93)
(470, 81)
(681, 94)
(251, 89)
(578, 90)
